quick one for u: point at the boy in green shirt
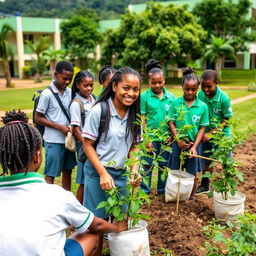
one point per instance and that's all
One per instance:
(220, 110)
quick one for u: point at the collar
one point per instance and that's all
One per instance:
(113, 110)
(217, 95)
(21, 178)
(195, 103)
(152, 94)
(83, 99)
(55, 90)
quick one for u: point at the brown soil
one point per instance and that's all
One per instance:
(182, 233)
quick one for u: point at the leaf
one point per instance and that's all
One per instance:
(102, 204)
(116, 211)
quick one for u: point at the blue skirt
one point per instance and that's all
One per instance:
(94, 194)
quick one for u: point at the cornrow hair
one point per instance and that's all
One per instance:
(132, 128)
(18, 142)
(81, 74)
(153, 66)
(189, 74)
(210, 74)
(64, 65)
(106, 71)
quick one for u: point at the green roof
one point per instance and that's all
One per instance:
(30, 24)
(11, 21)
(108, 24)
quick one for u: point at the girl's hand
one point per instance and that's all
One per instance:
(192, 152)
(206, 138)
(183, 145)
(135, 180)
(106, 181)
(150, 147)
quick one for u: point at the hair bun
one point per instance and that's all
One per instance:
(187, 71)
(12, 116)
(152, 63)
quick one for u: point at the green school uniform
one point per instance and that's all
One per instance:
(219, 107)
(196, 115)
(155, 109)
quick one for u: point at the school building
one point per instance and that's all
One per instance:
(32, 28)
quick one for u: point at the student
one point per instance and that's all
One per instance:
(220, 110)
(196, 115)
(155, 104)
(82, 101)
(50, 114)
(119, 137)
(105, 75)
(34, 214)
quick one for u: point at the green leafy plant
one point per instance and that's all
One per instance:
(228, 179)
(166, 252)
(235, 239)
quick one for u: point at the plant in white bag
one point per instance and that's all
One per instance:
(226, 181)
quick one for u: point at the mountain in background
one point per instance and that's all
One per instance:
(105, 9)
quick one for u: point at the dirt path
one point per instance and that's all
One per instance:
(242, 99)
(23, 83)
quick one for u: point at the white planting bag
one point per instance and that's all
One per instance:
(134, 241)
(171, 188)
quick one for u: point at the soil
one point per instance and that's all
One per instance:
(182, 233)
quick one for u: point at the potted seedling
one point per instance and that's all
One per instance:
(180, 183)
(227, 201)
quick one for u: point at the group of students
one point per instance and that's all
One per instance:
(107, 132)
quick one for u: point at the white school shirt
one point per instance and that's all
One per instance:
(49, 106)
(115, 147)
(35, 215)
(75, 110)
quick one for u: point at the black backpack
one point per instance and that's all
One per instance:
(36, 98)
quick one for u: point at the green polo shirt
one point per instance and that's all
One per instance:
(155, 109)
(196, 115)
(219, 107)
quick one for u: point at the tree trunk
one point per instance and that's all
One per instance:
(218, 67)
(7, 73)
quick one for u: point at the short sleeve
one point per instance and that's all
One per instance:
(143, 104)
(44, 102)
(171, 113)
(92, 122)
(75, 113)
(227, 108)
(76, 214)
(205, 117)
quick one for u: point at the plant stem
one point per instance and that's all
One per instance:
(179, 184)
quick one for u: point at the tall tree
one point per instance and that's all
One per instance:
(5, 52)
(226, 20)
(38, 48)
(167, 33)
(80, 37)
(217, 50)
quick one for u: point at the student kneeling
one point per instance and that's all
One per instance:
(34, 214)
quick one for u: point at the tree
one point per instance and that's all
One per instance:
(5, 52)
(52, 56)
(217, 50)
(167, 33)
(80, 37)
(39, 48)
(226, 20)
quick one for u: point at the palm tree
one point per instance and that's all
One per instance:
(5, 52)
(52, 56)
(39, 48)
(217, 50)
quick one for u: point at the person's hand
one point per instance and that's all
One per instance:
(169, 140)
(192, 152)
(64, 129)
(183, 145)
(135, 180)
(150, 147)
(121, 225)
(106, 181)
(206, 137)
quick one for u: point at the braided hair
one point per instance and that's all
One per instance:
(132, 127)
(18, 142)
(105, 72)
(78, 78)
(189, 74)
(153, 66)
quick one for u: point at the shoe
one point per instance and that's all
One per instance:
(202, 190)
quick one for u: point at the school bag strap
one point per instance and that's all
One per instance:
(82, 110)
(60, 103)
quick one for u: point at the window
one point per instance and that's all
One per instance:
(229, 63)
(28, 37)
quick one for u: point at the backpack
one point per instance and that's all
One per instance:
(103, 116)
(35, 98)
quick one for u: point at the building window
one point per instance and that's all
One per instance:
(229, 63)
(28, 37)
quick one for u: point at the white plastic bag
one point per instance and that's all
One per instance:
(171, 188)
